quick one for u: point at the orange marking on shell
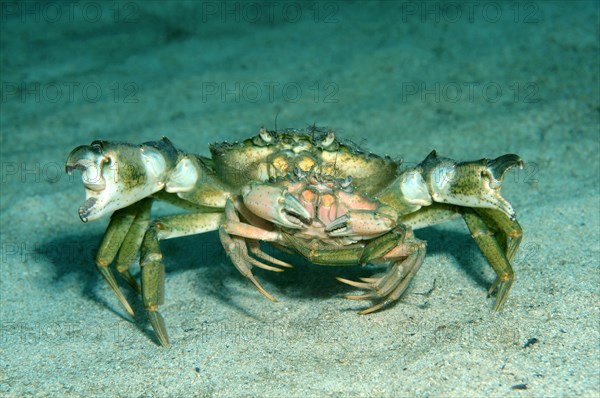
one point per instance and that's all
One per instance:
(306, 164)
(280, 163)
(308, 196)
(327, 200)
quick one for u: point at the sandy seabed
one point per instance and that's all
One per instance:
(471, 80)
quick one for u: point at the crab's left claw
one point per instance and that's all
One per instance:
(116, 175)
(470, 184)
(276, 205)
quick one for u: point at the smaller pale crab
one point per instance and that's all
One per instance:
(306, 192)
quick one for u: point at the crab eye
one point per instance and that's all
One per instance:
(97, 146)
(264, 138)
(298, 172)
(264, 135)
(345, 183)
(329, 139)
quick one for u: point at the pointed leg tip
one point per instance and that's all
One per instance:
(368, 311)
(360, 285)
(370, 280)
(499, 304)
(112, 283)
(367, 296)
(164, 341)
(346, 281)
(131, 313)
(159, 327)
(125, 303)
(261, 289)
(269, 296)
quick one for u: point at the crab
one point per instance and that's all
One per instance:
(304, 191)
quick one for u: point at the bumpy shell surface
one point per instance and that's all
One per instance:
(274, 154)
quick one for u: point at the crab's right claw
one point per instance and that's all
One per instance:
(116, 175)
(470, 184)
(276, 205)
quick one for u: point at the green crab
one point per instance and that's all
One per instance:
(304, 191)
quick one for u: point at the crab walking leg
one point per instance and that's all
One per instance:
(402, 271)
(254, 246)
(132, 242)
(252, 243)
(250, 231)
(120, 224)
(496, 252)
(153, 272)
(509, 231)
(434, 214)
(233, 234)
(175, 200)
(379, 247)
(407, 257)
(237, 252)
(153, 284)
(242, 250)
